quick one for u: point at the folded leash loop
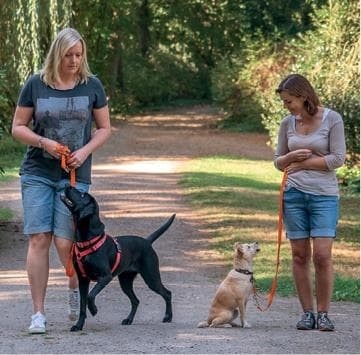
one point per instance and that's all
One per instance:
(64, 152)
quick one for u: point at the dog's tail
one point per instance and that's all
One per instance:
(155, 235)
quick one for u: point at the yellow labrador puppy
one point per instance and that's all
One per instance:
(233, 293)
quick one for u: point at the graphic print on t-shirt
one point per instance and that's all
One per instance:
(63, 120)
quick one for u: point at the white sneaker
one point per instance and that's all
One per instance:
(38, 322)
(74, 304)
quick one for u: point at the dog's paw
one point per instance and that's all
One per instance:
(246, 325)
(203, 324)
(75, 328)
(167, 318)
(127, 321)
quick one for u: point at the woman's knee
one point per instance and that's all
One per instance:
(40, 241)
(322, 258)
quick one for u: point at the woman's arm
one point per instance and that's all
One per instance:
(20, 131)
(283, 157)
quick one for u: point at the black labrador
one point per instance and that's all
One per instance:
(99, 257)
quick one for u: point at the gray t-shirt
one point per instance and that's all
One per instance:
(327, 141)
(64, 116)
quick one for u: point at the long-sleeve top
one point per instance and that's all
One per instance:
(327, 141)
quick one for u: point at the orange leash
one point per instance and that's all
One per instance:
(279, 241)
(64, 152)
(69, 269)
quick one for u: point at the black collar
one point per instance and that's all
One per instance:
(244, 271)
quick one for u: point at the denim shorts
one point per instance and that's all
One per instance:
(307, 215)
(42, 208)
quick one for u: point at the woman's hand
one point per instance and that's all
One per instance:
(301, 154)
(77, 158)
(294, 167)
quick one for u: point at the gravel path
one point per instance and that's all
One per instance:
(135, 182)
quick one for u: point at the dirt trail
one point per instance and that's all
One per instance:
(135, 182)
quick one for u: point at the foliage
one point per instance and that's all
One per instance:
(11, 153)
(238, 201)
(349, 179)
(328, 56)
(152, 52)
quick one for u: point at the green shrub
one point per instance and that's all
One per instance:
(328, 57)
(349, 179)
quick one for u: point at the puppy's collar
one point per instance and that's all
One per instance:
(244, 271)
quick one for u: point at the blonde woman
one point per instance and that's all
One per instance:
(58, 105)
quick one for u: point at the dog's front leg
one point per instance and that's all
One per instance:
(83, 291)
(242, 315)
(101, 283)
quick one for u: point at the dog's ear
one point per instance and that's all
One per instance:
(89, 209)
(86, 211)
(238, 248)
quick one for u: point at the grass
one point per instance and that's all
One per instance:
(11, 154)
(239, 199)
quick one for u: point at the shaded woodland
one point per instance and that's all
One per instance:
(229, 53)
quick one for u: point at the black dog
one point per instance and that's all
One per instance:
(99, 257)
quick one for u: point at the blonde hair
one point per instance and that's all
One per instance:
(297, 85)
(65, 39)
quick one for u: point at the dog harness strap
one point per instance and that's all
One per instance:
(119, 254)
(90, 242)
(85, 248)
(82, 249)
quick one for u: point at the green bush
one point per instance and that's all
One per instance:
(349, 179)
(156, 80)
(232, 91)
(328, 57)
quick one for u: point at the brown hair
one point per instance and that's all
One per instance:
(297, 85)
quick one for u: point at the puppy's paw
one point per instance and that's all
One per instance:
(246, 325)
(203, 324)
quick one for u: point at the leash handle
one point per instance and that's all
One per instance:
(279, 242)
(64, 152)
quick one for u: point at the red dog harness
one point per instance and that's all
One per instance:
(82, 249)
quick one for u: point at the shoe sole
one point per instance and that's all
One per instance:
(37, 331)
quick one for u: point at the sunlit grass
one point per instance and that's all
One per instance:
(238, 199)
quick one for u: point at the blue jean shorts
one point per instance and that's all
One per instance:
(307, 215)
(42, 208)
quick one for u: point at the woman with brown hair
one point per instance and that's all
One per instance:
(311, 145)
